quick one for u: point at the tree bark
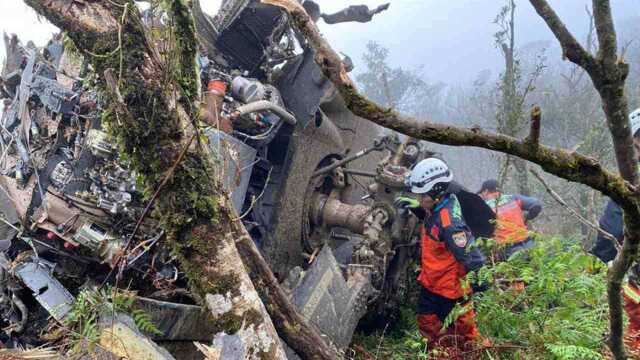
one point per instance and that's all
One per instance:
(294, 329)
(150, 114)
(607, 76)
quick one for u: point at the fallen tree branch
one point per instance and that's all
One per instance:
(291, 326)
(562, 163)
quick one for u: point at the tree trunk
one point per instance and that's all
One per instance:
(522, 176)
(149, 110)
(512, 103)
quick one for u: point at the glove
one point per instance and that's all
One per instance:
(405, 202)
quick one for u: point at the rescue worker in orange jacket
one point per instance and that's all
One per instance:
(447, 255)
(512, 214)
(605, 250)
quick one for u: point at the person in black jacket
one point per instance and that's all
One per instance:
(611, 222)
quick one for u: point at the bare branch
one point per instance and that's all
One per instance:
(606, 72)
(590, 40)
(534, 133)
(573, 212)
(571, 48)
(607, 43)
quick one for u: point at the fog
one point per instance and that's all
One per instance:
(452, 40)
(444, 41)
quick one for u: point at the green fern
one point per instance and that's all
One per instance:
(561, 313)
(572, 352)
(457, 311)
(82, 320)
(562, 310)
(144, 323)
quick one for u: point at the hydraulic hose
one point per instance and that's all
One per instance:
(263, 105)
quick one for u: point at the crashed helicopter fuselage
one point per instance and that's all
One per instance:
(313, 184)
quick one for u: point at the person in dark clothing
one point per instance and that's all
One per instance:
(447, 255)
(611, 222)
(604, 248)
(512, 214)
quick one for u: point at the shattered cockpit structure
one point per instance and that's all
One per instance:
(313, 184)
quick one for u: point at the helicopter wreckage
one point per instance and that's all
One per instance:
(313, 184)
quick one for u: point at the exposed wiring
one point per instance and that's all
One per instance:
(147, 244)
(256, 199)
(262, 136)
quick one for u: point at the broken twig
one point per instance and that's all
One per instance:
(534, 133)
(573, 212)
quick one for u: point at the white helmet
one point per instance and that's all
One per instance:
(634, 118)
(427, 174)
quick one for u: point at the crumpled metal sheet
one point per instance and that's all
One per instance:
(328, 301)
(37, 276)
(178, 322)
(10, 215)
(237, 159)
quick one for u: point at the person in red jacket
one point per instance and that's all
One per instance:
(447, 255)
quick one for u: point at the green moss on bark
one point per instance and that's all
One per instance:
(184, 31)
(149, 135)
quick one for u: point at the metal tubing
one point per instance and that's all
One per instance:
(263, 105)
(333, 212)
(360, 173)
(336, 164)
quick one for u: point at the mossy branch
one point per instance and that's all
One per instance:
(562, 163)
(184, 31)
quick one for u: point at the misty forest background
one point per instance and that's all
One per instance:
(562, 313)
(535, 74)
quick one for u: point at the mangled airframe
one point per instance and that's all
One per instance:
(313, 184)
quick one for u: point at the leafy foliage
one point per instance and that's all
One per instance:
(81, 323)
(567, 352)
(562, 303)
(144, 323)
(560, 314)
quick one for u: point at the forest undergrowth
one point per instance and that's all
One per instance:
(560, 314)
